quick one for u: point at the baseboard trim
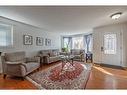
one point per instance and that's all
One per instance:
(111, 66)
(125, 68)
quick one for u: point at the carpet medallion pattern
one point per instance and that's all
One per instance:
(57, 77)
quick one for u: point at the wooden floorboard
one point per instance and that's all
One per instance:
(15, 83)
(107, 78)
(100, 78)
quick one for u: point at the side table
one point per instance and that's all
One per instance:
(89, 57)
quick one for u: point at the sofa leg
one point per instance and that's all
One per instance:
(38, 69)
(23, 78)
(4, 76)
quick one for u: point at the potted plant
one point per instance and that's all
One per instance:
(64, 49)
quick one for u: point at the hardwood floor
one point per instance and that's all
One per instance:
(100, 78)
(107, 78)
(15, 83)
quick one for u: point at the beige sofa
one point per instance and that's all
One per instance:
(49, 56)
(79, 54)
(16, 64)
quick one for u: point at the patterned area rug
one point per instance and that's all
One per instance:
(62, 76)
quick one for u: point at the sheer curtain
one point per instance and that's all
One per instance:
(77, 42)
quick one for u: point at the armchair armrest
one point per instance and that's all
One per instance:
(15, 68)
(46, 59)
(13, 63)
(82, 55)
(16, 64)
(37, 58)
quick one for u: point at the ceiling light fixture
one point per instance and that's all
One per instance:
(116, 15)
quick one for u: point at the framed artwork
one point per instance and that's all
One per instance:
(27, 40)
(39, 41)
(48, 42)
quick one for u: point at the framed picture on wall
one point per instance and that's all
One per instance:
(48, 42)
(39, 41)
(27, 40)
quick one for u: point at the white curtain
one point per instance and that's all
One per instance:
(77, 42)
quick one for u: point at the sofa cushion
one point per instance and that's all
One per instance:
(75, 52)
(32, 59)
(53, 53)
(55, 58)
(46, 52)
(16, 56)
(77, 56)
(31, 66)
(49, 56)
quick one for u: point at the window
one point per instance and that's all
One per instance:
(110, 44)
(5, 35)
(77, 42)
(67, 43)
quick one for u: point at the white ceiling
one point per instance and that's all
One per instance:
(65, 19)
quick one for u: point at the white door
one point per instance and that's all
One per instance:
(111, 48)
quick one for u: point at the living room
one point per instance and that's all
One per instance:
(75, 47)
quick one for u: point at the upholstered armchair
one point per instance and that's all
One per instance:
(78, 54)
(16, 64)
(49, 56)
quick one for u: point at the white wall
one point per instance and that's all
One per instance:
(21, 29)
(97, 41)
(124, 43)
(96, 46)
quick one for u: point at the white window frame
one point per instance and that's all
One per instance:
(11, 35)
